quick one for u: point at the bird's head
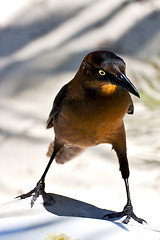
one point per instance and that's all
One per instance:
(103, 68)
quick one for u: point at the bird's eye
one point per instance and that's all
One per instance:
(101, 72)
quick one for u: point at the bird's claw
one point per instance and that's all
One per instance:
(38, 190)
(128, 212)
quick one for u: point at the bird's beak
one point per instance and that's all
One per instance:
(124, 82)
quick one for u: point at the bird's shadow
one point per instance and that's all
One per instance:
(65, 206)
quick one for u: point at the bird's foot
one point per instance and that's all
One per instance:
(38, 190)
(128, 212)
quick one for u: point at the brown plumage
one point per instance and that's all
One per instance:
(88, 111)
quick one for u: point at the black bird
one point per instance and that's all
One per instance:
(88, 111)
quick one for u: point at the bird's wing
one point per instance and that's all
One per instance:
(131, 106)
(57, 106)
(131, 109)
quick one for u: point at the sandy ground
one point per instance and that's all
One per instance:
(42, 45)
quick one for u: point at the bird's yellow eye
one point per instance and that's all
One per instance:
(101, 72)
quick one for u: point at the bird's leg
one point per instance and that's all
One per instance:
(120, 149)
(40, 187)
(128, 209)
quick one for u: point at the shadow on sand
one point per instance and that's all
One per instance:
(65, 206)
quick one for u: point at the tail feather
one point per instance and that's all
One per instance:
(66, 153)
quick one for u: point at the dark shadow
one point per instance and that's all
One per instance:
(69, 207)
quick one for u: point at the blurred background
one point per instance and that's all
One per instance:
(42, 43)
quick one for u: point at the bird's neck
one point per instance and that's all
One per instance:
(108, 89)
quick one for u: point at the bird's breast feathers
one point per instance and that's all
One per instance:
(91, 121)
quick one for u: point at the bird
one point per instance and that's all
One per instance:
(88, 111)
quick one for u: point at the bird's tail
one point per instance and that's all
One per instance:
(66, 152)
